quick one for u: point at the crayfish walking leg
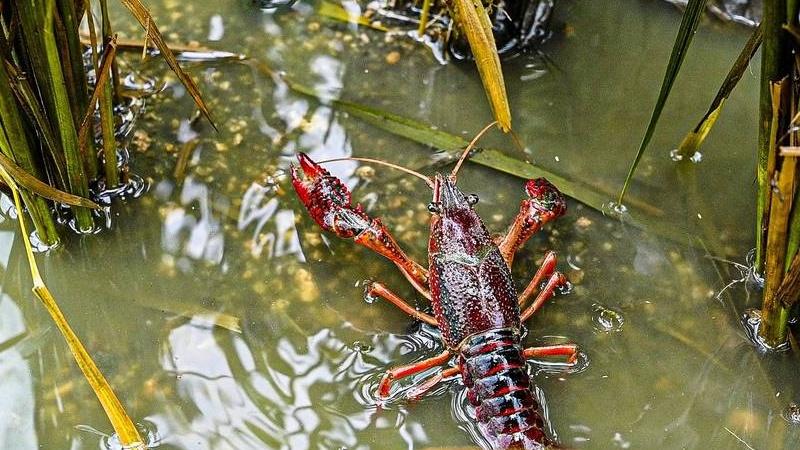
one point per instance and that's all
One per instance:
(400, 372)
(378, 289)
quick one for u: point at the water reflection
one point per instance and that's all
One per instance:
(17, 401)
(299, 370)
(192, 229)
(301, 395)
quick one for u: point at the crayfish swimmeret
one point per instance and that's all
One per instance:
(468, 281)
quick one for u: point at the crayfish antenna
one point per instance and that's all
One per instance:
(426, 179)
(469, 148)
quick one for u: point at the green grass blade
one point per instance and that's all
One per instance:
(71, 52)
(23, 91)
(37, 22)
(104, 72)
(691, 18)
(694, 139)
(14, 143)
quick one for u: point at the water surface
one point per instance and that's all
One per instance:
(225, 320)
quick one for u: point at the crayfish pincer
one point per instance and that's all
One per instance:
(474, 298)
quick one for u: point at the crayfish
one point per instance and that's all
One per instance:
(469, 283)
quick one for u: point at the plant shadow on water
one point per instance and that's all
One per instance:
(227, 321)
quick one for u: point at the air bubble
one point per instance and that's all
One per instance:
(566, 288)
(605, 319)
(369, 297)
(614, 209)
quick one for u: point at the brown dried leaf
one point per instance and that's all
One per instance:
(142, 15)
(474, 22)
(40, 188)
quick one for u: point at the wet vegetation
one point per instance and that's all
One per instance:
(64, 116)
(247, 334)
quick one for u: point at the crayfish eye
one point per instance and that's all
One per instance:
(434, 207)
(472, 199)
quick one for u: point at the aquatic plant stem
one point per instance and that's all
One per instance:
(774, 315)
(62, 115)
(72, 57)
(106, 106)
(15, 145)
(774, 67)
(776, 174)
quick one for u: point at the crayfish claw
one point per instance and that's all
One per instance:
(327, 199)
(310, 168)
(546, 198)
(544, 204)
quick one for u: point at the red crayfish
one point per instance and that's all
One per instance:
(469, 283)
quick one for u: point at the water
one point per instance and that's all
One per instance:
(225, 320)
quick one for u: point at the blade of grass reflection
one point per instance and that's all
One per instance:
(691, 344)
(182, 162)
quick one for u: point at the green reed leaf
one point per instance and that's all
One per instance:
(691, 18)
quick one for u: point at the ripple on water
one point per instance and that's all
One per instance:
(605, 319)
(147, 430)
(791, 413)
(751, 322)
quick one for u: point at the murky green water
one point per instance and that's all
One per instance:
(225, 321)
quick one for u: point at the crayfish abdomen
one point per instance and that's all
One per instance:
(495, 373)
